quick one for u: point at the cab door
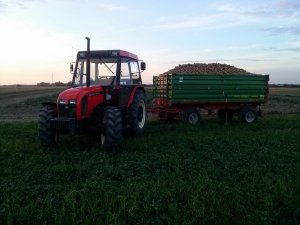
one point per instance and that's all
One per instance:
(126, 82)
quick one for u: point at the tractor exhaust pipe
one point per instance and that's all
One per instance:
(88, 74)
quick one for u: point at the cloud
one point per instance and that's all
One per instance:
(295, 49)
(29, 42)
(205, 22)
(230, 9)
(295, 30)
(2, 6)
(292, 49)
(285, 12)
(286, 4)
(233, 48)
(282, 8)
(220, 16)
(111, 7)
(13, 4)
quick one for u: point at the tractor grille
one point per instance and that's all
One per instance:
(67, 110)
(63, 125)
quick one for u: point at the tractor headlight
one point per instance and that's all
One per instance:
(72, 102)
(62, 101)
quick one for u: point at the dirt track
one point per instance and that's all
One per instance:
(10, 96)
(23, 103)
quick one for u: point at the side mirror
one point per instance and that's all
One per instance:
(71, 67)
(143, 66)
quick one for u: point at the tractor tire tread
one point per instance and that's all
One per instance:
(45, 134)
(113, 128)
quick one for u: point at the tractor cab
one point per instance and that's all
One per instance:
(107, 68)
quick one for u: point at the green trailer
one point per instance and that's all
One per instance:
(228, 94)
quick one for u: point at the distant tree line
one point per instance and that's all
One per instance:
(284, 85)
(56, 84)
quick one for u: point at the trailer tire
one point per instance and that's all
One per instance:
(137, 114)
(47, 136)
(248, 115)
(111, 134)
(191, 116)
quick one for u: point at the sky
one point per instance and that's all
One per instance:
(41, 37)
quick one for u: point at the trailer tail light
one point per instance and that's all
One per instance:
(159, 102)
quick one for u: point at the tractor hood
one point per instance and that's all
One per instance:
(78, 93)
(82, 99)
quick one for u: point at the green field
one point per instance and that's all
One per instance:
(175, 174)
(211, 173)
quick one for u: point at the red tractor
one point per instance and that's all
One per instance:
(106, 97)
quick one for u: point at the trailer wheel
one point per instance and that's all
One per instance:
(137, 114)
(248, 115)
(47, 136)
(111, 135)
(191, 116)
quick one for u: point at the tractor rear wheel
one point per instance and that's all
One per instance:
(46, 135)
(137, 114)
(111, 135)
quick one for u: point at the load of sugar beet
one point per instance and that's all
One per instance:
(203, 68)
(212, 86)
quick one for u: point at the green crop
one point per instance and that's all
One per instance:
(210, 173)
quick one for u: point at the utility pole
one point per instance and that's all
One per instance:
(52, 77)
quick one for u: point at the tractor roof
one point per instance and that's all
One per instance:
(107, 53)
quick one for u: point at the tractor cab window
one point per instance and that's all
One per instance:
(125, 78)
(135, 72)
(130, 73)
(102, 71)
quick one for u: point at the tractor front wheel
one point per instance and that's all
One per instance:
(46, 135)
(111, 135)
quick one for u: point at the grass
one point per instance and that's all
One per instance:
(174, 174)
